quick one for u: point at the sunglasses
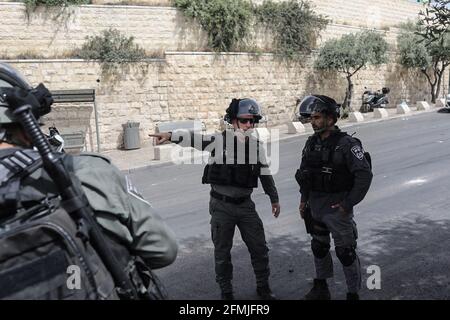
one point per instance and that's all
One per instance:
(243, 121)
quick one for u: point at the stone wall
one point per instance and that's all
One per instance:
(199, 86)
(186, 83)
(56, 32)
(134, 94)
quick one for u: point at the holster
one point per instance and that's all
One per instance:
(307, 217)
(314, 227)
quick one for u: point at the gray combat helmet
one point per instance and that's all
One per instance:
(318, 103)
(243, 107)
(9, 78)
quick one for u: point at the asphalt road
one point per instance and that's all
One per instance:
(403, 224)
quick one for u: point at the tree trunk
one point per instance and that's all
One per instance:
(433, 93)
(440, 73)
(432, 84)
(348, 95)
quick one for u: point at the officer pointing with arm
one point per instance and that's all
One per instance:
(232, 183)
(334, 176)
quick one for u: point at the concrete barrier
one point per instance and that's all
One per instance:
(295, 127)
(422, 105)
(380, 113)
(355, 117)
(440, 103)
(164, 152)
(403, 108)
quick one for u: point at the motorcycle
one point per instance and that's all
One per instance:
(55, 139)
(446, 108)
(374, 99)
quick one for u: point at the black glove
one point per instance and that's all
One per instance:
(44, 96)
(40, 99)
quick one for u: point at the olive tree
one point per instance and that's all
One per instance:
(351, 53)
(435, 20)
(431, 58)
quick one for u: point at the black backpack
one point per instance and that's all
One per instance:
(43, 255)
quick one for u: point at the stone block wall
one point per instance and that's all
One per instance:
(194, 85)
(56, 32)
(188, 83)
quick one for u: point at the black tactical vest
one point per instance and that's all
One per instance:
(244, 175)
(325, 168)
(42, 243)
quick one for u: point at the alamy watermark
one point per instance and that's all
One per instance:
(230, 147)
(374, 280)
(73, 281)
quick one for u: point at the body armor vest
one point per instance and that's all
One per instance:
(230, 172)
(326, 169)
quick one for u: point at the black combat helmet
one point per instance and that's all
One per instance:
(12, 82)
(243, 107)
(9, 78)
(318, 103)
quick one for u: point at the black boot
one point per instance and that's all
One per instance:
(227, 296)
(319, 291)
(265, 293)
(226, 289)
(352, 296)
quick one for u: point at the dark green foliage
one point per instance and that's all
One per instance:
(54, 3)
(434, 20)
(294, 24)
(111, 46)
(431, 57)
(227, 22)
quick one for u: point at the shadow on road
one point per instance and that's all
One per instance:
(413, 256)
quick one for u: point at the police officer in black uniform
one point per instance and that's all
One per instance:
(232, 183)
(334, 175)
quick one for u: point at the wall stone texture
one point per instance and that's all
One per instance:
(56, 32)
(199, 86)
(187, 83)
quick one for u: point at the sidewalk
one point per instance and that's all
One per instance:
(130, 160)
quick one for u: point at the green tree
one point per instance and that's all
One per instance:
(349, 54)
(431, 57)
(435, 20)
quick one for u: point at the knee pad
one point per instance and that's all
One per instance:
(319, 249)
(346, 255)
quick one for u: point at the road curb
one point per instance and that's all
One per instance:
(347, 124)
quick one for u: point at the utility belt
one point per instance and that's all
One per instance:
(224, 198)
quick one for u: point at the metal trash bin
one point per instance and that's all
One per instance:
(131, 139)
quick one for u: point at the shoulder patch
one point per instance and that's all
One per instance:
(97, 155)
(357, 152)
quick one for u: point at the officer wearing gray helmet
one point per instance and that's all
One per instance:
(231, 186)
(334, 176)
